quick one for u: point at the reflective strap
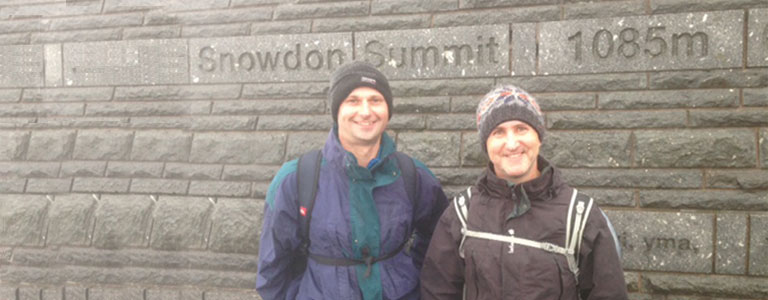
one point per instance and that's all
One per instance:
(460, 204)
(517, 241)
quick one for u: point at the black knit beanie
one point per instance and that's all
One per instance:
(354, 75)
(507, 103)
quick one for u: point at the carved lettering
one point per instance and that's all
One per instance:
(429, 56)
(702, 38)
(765, 38)
(250, 61)
(295, 56)
(669, 244)
(208, 63)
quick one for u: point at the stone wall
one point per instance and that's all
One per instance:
(139, 137)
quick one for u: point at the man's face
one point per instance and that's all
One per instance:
(363, 117)
(513, 148)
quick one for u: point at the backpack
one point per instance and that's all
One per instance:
(307, 175)
(576, 221)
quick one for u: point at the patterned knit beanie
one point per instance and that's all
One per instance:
(506, 103)
(354, 75)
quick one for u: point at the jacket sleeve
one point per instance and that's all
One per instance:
(442, 276)
(432, 203)
(279, 239)
(601, 276)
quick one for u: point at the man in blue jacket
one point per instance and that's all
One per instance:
(362, 217)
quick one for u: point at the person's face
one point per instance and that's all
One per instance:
(513, 148)
(363, 117)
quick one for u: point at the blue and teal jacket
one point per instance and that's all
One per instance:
(356, 208)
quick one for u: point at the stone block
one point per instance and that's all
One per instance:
(240, 15)
(238, 148)
(51, 145)
(737, 287)
(109, 144)
(218, 30)
(100, 185)
(192, 171)
(165, 145)
(385, 7)
(75, 292)
(133, 62)
(236, 226)
(524, 49)
(285, 90)
(83, 168)
(14, 39)
(454, 122)
(749, 117)
(29, 169)
(22, 64)
(42, 109)
(603, 9)
(278, 58)
(130, 5)
(22, 220)
(708, 79)
(757, 33)
(703, 199)
(634, 178)
(463, 177)
(81, 122)
(466, 104)
(232, 295)
(616, 120)
(590, 82)
(51, 293)
(53, 67)
(646, 43)
(134, 169)
(269, 107)
(219, 188)
(123, 221)
(502, 3)
(696, 148)
(302, 142)
(478, 51)
(29, 293)
(367, 23)
(436, 149)
(756, 97)
(304, 11)
(498, 16)
(554, 102)
(70, 220)
(249, 173)
(24, 26)
(147, 109)
(168, 294)
(51, 10)
(181, 223)
(447, 87)
(48, 185)
(741, 179)
(116, 293)
(67, 94)
(198, 123)
(314, 122)
(10, 95)
(88, 22)
(159, 186)
(177, 92)
(472, 151)
(420, 105)
(662, 241)
(281, 27)
(731, 243)
(259, 190)
(588, 149)
(407, 122)
(14, 144)
(75, 36)
(763, 144)
(669, 99)
(152, 32)
(670, 6)
(758, 246)
(611, 197)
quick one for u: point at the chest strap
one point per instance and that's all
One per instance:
(367, 259)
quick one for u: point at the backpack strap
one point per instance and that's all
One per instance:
(461, 204)
(307, 175)
(408, 171)
(575, 224)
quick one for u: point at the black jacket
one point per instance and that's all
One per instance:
(535, 210)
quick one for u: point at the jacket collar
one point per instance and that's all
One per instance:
(335, 154)
(541, 188)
